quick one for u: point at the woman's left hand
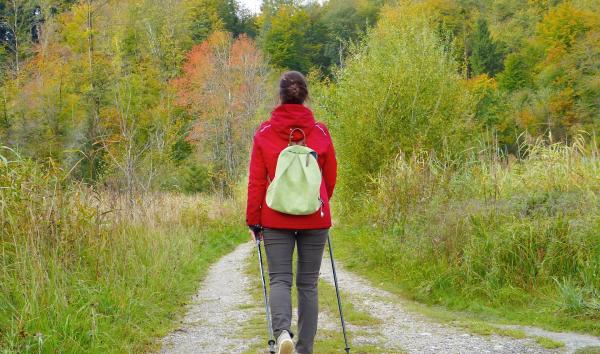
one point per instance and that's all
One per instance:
(252, 235)
(255, 231)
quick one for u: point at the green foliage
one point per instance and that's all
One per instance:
(493, 112)
(286, 42)
(344, 23)
(313, 36)
(517, 74)
(400, 93)
(181, 150)
(207, 16)
(485, 56)
(197, 179)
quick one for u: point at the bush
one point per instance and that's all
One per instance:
(189, 178)
(400, 91)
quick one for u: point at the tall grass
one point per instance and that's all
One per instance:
(517, 237)
(83, 271)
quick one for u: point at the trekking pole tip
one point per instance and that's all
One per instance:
(271, 346)
(348, 350)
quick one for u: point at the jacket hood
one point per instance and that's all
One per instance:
(286, 117)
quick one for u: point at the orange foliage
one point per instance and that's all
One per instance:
(562, 107)
(217, 62)
(526, 119)
(222, 86)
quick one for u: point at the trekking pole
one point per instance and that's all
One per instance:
(271, 341)
(337, 292)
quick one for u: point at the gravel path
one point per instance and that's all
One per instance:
(224, 303)
(217, 309)
(414, 333)
(573, 341)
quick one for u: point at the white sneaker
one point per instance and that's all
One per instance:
(285, 343)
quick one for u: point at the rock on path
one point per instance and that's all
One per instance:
(217, 310)
(414, 333)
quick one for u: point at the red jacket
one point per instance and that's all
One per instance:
(269, 140)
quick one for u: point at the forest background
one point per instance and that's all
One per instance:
(465, 132)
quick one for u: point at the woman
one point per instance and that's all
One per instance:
(282, 232)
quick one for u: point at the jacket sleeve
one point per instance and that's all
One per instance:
(257, 181)
(330, 169)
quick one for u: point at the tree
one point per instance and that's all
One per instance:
(493, 111)
(16, 20)
(550, 74)
(485, 55)
(517, 74)
(96, 91)
(563, 25)
(223, 85)
(285, 42)
(399, 93)
(208, 16)
(344, 22)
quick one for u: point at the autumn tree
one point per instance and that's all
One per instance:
(97, 92)
(223, 86)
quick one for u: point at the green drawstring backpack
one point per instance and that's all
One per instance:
(296, 187)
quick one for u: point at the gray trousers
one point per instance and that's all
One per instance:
(279, 244)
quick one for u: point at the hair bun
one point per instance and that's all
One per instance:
(293, 87)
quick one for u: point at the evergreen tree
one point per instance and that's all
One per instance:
(485, 56)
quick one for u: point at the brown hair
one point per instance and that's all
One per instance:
(293, 87)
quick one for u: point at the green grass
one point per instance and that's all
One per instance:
(506, 241)
(124, 304)
(78, 280)
(549, 343)
(366, 253)
(328, 302)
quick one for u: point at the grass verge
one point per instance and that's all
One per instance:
(72, 280)
(117, 299)
(367, 252)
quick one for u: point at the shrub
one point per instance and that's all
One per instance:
(400, 91)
